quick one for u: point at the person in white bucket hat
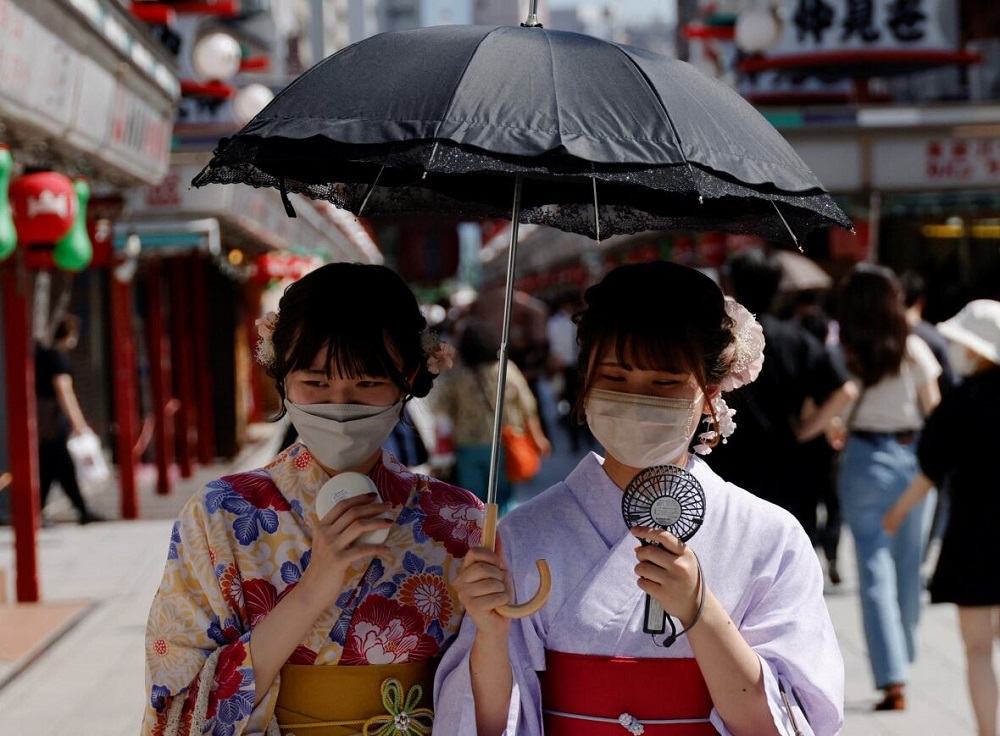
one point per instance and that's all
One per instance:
(975, 335)
(959, 444)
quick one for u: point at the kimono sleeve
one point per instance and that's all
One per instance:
(199, 668)
(787, 623)
(454, 707)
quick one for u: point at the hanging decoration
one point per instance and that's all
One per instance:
(49, 211)
(74, 251)
(8, 233)
(43, 205)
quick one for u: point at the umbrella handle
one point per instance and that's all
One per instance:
(544, 576)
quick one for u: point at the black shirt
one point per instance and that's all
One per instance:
(52, 422)
(763, 455)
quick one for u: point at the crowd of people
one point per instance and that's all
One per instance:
(655, 365)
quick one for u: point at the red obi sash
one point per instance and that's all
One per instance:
(585, 695)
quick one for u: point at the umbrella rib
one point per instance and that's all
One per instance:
(787, 226)
(666, 114)
(454, 92)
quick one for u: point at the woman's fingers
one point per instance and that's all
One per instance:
(665, 539)
(351, 509)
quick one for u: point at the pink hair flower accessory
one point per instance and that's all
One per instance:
(724, 415)
(440, 355)
(749, 346)
(264, 351)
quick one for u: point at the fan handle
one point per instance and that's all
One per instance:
(544, 576)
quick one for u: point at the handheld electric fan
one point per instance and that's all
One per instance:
(663, 497)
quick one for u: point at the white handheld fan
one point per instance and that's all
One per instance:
(670, 498)
(348, 485)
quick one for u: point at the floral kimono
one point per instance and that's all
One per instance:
(756, 559)
(244, 541)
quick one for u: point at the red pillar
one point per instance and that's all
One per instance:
(202, 363)
(182, 360)
(159, 378)
(123, 358)
(253, 294)
(22, 427)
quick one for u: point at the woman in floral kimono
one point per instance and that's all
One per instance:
(750, 648)
(259, 590)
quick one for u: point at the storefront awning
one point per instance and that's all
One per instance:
(84, 79)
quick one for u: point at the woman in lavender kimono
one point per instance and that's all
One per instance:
(259, 588)
(754, 649)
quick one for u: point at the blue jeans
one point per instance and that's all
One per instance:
(873, 473)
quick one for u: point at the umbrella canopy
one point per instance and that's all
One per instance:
(437, 119)
(800, 273)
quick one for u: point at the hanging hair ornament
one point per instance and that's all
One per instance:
(670, 498)
(748, 338)
(440, 355)
(723, 423)
(264, 351)
(748, 358)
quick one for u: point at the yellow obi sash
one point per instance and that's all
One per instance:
(373, 700)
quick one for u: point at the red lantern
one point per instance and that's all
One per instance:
(43, 205)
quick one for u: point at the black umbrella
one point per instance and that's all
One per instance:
(540, 126)
(424, 120)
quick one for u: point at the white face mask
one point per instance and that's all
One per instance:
(641, 431)
(961, 360)
(342, 436)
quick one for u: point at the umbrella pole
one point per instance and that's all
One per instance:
(508, 301)
(532, 21)
(492, 511)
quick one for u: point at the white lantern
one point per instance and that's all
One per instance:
(249, 101)
(216, 56)
(757, 29)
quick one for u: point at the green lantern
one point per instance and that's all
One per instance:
(74, 250)
(8, 235)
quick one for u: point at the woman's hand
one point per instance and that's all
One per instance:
(668, 573)
(483, 584)
(892, 519)
(334, 544)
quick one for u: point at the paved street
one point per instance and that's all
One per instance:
(74, 664)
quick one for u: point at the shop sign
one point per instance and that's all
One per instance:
(49, 85)
(936, 162)
(825, 26)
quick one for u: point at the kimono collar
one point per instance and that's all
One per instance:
(601, 499)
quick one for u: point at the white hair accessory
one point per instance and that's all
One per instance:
(440, 355)
(748, 336)
(264, 351)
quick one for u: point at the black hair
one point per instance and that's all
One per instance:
(477, 344)
(914, 287)
(660, 316)
(872, 319)
(755, 277)
(364, 316)
(66, 326)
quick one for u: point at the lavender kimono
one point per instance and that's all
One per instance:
(756, 559)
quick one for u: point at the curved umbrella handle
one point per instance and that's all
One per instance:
(544, 576)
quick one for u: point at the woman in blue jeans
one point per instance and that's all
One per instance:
(897, 376)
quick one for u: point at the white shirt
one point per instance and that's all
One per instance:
(892, 404)
(561, 333)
